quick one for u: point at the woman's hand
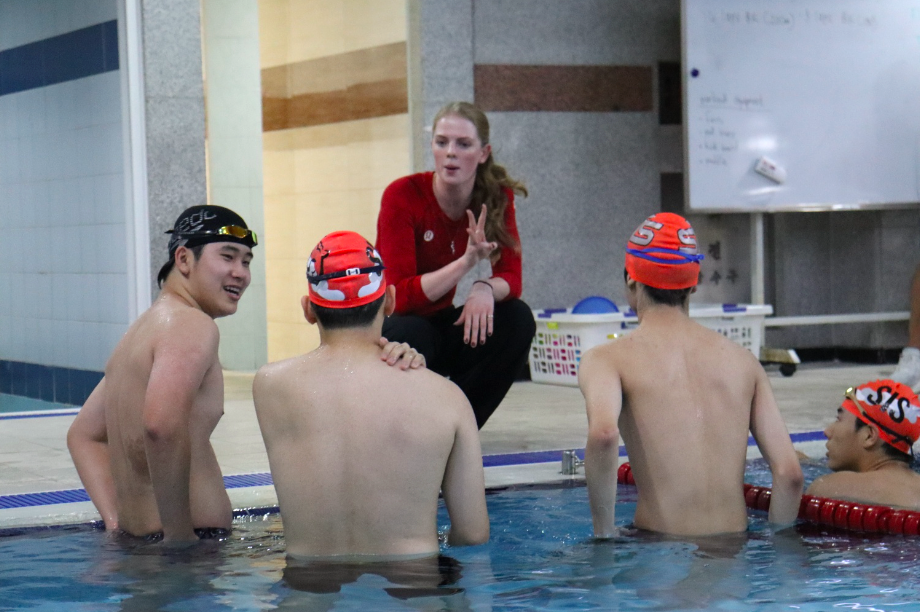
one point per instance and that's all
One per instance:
(476, 316)
(477, 247)
(402, 354)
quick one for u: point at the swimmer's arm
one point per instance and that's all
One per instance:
(88, 442)
(773, 440)
(601, 387)
(463, 486)
(181, 359)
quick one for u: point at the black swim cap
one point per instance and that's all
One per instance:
(204, 224)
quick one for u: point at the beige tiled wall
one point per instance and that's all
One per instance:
(298, 30)
(322, 178)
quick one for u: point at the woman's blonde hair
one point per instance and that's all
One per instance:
(491, 178)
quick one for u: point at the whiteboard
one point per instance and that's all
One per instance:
(825, 94)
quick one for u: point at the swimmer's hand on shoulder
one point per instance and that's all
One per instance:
(401, 354)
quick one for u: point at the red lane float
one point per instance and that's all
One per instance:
(624, 474)
(825, 511)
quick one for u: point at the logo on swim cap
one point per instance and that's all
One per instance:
(345, 271)
(662, 253)
(889, 406)
(208, 223)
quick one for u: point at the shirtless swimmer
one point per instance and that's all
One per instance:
(684, 397)
(141, 442)
(870, 447)
(359, 452)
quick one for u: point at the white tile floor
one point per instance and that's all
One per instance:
(533, 417)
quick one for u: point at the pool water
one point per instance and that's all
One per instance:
(18, 403)
(540, 557)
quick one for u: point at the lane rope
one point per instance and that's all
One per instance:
(852, 516)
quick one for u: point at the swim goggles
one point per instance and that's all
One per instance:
(850, 394)
(318, 278)
(677, 256)
(235, 231)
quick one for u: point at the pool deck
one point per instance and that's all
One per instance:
(521, 443)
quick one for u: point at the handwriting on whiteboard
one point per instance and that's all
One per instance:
(717, 136)
(792, 19)
(733, 101)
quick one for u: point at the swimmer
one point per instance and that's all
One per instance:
(358, 451)
(684, 397)
(870, 447)
(141, 442)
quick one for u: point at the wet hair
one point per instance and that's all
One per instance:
(344, 318)
(168, 266)
(665, 297)
(890, 451)
(491, 178)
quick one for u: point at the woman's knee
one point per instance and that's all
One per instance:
(417, 332)
(518, 317)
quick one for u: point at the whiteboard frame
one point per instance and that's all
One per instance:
(805, 207)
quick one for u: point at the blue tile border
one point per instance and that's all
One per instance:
(70, 496)
(261, 479)
(48, 383)
(74, 55)
(25, 500)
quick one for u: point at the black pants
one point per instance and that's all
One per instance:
(484, 373)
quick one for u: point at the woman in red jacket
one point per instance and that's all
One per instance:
(434, 228)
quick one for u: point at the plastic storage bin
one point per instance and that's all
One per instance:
(562, 337)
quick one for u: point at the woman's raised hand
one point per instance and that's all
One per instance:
(477, 247)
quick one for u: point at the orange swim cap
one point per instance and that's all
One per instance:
(345, 271)
(889, 406)
(662, 253)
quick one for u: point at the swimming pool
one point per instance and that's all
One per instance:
(541, 557)
(17, 404)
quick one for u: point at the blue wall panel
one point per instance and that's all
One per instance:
(58, 59)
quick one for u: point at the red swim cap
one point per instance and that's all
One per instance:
(662, 253)
(345, 271)
(891, 408)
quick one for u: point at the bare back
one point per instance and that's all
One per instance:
(157, 337)
(359, 451)
(687, 397)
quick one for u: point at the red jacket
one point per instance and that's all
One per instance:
(414, 237)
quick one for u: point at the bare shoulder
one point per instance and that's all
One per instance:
(430, 381)
(267, 375)
(597, 361)
(838, 484)
(182, 324)
(272, 375)
(609, 353)
(601, 367)
(718, 344)
(436, 390)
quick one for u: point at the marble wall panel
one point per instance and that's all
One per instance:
(174, 117)
(578, 32)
